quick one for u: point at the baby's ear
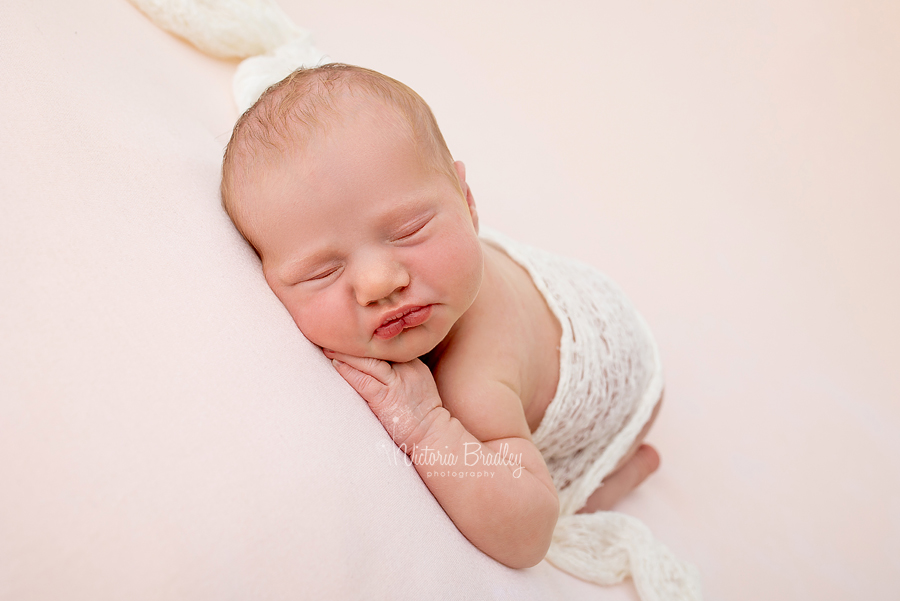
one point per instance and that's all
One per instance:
(467, 192)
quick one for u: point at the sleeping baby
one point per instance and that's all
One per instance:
(520, 384)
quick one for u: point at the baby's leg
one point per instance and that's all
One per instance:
(640, 461)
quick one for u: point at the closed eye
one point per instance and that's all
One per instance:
(415, 229)
(321, 275)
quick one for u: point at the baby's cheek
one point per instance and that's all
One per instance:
(463, 265)
(323, 322)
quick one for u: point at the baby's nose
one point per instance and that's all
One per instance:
(379, 280)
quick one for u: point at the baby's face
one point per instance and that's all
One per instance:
(372, 253)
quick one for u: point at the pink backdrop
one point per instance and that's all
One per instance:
(734, 166)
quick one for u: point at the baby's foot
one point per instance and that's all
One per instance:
(635, 470)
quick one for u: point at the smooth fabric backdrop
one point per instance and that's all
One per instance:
(166, 433)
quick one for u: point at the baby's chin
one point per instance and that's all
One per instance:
(400, 355)
(395, 358)
(395, 354)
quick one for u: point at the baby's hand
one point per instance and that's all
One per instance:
(403, 396)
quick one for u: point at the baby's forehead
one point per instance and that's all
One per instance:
(299, 145)
(292, 144)
(318, 159)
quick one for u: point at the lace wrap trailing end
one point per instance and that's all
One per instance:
(255, 30)
(610, 379)
(607, 546)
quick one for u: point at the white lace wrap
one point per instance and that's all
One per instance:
(257, 29)
(610, 378)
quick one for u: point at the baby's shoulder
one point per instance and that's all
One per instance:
(479, 394)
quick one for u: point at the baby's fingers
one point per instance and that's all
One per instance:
(378, 369)
(368, 387)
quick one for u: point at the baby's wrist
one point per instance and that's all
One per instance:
(430, 431)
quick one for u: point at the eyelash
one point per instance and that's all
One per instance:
(322, 275)
(416, 230)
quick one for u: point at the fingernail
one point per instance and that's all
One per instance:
(335, 362)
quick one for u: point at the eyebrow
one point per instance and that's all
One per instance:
(404, 211)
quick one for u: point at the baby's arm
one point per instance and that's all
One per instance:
(510, 511)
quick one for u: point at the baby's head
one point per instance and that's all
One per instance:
(367, 232)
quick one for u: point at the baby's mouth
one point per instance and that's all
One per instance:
(409, 318)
